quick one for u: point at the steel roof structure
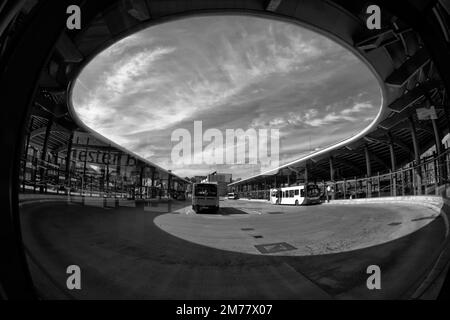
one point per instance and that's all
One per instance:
(41, 58)
(397, 55)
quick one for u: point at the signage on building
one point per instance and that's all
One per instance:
(103, 157)
(426, 113)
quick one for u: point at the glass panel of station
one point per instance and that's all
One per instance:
(58, 161)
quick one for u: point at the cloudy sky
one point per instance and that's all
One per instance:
(229, 72)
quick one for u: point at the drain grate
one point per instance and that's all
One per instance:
(247, 229)
(274, 247)
(275, 212)
(258, 237)
(394, 224)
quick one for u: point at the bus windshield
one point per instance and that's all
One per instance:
(206, 190)
(313, 191)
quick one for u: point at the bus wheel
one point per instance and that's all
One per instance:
(296, 202)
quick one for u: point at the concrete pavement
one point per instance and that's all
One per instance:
(158, 252)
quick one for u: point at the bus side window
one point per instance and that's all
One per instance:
(302, 193)
(291, 193)
(296, 192)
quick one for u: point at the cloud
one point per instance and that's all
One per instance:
(133, 68)
(229, 72)
(358, 107)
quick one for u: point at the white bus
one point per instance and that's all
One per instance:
(295, 195)
(205, 196)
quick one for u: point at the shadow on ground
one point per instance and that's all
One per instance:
(123, 255)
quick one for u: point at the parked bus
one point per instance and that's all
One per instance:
(205, 196)
(295, 195)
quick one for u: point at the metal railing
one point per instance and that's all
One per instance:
(428, 177)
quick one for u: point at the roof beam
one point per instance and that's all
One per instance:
(41, 130)
(395, 140)
(407, 70)
(68, 50)
(46, 114)
(372, 156)
(399, 142)
(414, 95)
(116, 22)
(342, 151)
(391, 122)
(377, 159)
(91, 148)
(419, 126)
(318, 168)
(293, 169)
(348, 163)
(273, 5)
(138, 9)
(368, 41)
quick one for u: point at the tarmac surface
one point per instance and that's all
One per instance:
(244, 226)
(249, 250)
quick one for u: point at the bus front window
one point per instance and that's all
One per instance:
(206, 190)
(313, 191)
